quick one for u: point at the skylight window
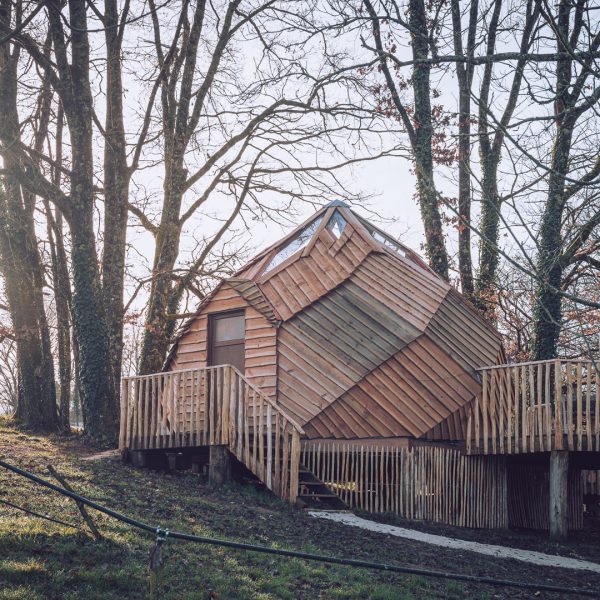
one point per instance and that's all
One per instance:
(336, 224)
(294, 245)
(384, 239)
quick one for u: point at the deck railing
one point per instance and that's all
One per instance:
(213, 406)
(536, 407)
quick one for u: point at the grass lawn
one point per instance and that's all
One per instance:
(39, 559)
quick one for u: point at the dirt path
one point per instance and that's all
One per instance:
(529, 556)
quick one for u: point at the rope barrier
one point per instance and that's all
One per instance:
(36, 514)
(162, 535)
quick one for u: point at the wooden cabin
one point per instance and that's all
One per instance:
(336, 363)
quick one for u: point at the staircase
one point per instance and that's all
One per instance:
(315, 494)
(215, 406)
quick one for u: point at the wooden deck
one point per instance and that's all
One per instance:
(536, 407)
(213, 406)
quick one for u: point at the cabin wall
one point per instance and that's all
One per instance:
(261, 341)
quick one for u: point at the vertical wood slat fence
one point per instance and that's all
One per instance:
(437, 484)
(213, 406)
(536, 407)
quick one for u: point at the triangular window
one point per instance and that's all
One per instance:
(336, 224)
(294, 245)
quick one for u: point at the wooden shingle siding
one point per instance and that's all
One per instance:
(407, 289)
(454, 328)
(307, 278)
(402, 396)
(332, 344)
(261, 340)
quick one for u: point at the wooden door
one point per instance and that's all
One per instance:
(226, 333)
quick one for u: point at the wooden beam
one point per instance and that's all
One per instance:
(219, 468)
(559, 475)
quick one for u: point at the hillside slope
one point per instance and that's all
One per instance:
(39, 559)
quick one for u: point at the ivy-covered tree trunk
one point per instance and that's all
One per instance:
(21, 267)
(95, 377)
(422, 146)
(63, 302)
(116, 192)
(159, 327)
(464, 75)
(21, 264)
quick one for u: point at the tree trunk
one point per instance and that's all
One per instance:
(159, 327)
(422, 147)
(62, 297)
(116, 192)
(21, 266)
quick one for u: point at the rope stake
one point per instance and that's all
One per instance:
(157, 561)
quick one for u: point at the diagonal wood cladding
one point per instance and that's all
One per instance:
(402, 396)
(333, 344)
(456, 325)
(303, 279)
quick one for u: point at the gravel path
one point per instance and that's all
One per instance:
(529, 556)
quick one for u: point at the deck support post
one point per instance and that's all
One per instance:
(559, 476)
(219, 467)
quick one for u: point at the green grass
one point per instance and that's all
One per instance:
(39, 559)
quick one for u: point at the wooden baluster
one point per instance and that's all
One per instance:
(516, 408)
(151, 411)
(246, 424)
(477, 429)
(484, 410)
(175, 411)
(261, 438)
(156, 408)
(538, 407)
(523, 401)
(181, 407)
(558, 404)
(211, 406)
(123, 417)
(595, 367)
(224, 397)
(547, 407)
(233, 412)
(502, 413)
(197, 404)
(531, 408)
(277, 466)
(579, 407)
(588, 407)
(146, 416)
(269, 474)
(509, 408)
(285, 471)
(569, 405)
(241, 408)
(494, 412)
(138, 414)
(205, 406)
(469, 444)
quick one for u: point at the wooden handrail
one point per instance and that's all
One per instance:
(214, 405)
(536, 406)
(536, 362)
